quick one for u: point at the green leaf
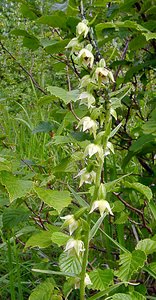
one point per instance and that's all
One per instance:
(16, 188)
(66, 165)
(56, 199)
(78, 198)
(69, 264)
(31, 43)
(122, 219)
(150, 36)
(152, 207)
(96, 226)
(57, 47)
(13, 216)
(146, 245)
(122, 296)
(130, 263)
(29, 12)
(56, 20)
(41, 240)
(141, 188)
(43, 127)
(43, 291)
(63, 94)
(101, 279)
(60, 238)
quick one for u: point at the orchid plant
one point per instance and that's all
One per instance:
(98, 125)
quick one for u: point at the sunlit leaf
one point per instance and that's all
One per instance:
(101, 279)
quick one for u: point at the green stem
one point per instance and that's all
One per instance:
(11, 276)
(86, 241)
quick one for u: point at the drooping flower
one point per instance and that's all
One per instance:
(76, 245)
(88, 124)
(86, 177)
(82, 28)
(71, 223)
(86, 57)
(102, 75)
(102, 205)
(87, 99)
(87, 281)
(92, 149)
(74, 44)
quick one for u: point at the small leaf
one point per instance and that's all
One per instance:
(41, 240)
(60, 93)
(101, 279)
(141, 188)
(70, 264)
(122, 296)
(130, 263)
(122, 219)
(56, 199)
(96, 226)
(55, 20)
(13, 216)
(60, 238)
(146, 245)
(44, 290)
(16, 188)
(57, 47)
(43, 127)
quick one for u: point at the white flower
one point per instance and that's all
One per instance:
(102, 205)
(92, 149)
(86, 57)
(71, 223)
(102, 74)
(76, 245)
(88, 124)
(87, 280)
(87, 98)
(87, 177)
(74, 44)
(82, 28)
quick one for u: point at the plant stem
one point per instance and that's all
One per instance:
(11, 276)
(86, 241)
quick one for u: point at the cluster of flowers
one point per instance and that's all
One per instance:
(99, 75)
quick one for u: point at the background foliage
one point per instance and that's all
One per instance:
(41, 148)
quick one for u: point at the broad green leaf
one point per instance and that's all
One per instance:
(31, 43)
(152, 207)
(69, 264)
(57, 47)
(29, 12)
(44, 291)
(150, 36)
(141, 188)
(60, 238)
(101, 279)
(118, 206)
(122, 219)
(43, 127)
(17, 188)
(55, 20)
(111, 289)
(41, 240)
(63, 94)
(146, 245)
(66, 165)
(55, 199)
(5, 165)
(122, 296)
(130, 263)
(126, 24)
(143, 141)
(13, 216)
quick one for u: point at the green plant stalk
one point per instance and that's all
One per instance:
(86, 241)
(11, 276)
(18, 272)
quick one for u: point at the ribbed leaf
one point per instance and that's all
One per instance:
(43, 291)
(60, 238)
(141, 188)
(146, 245)
(130, 263)
(62, 93)
(13, 216)
(101, 279)
(55, 199)
(16, 188)
(130, 296)
(70, 264)
(41, 240)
